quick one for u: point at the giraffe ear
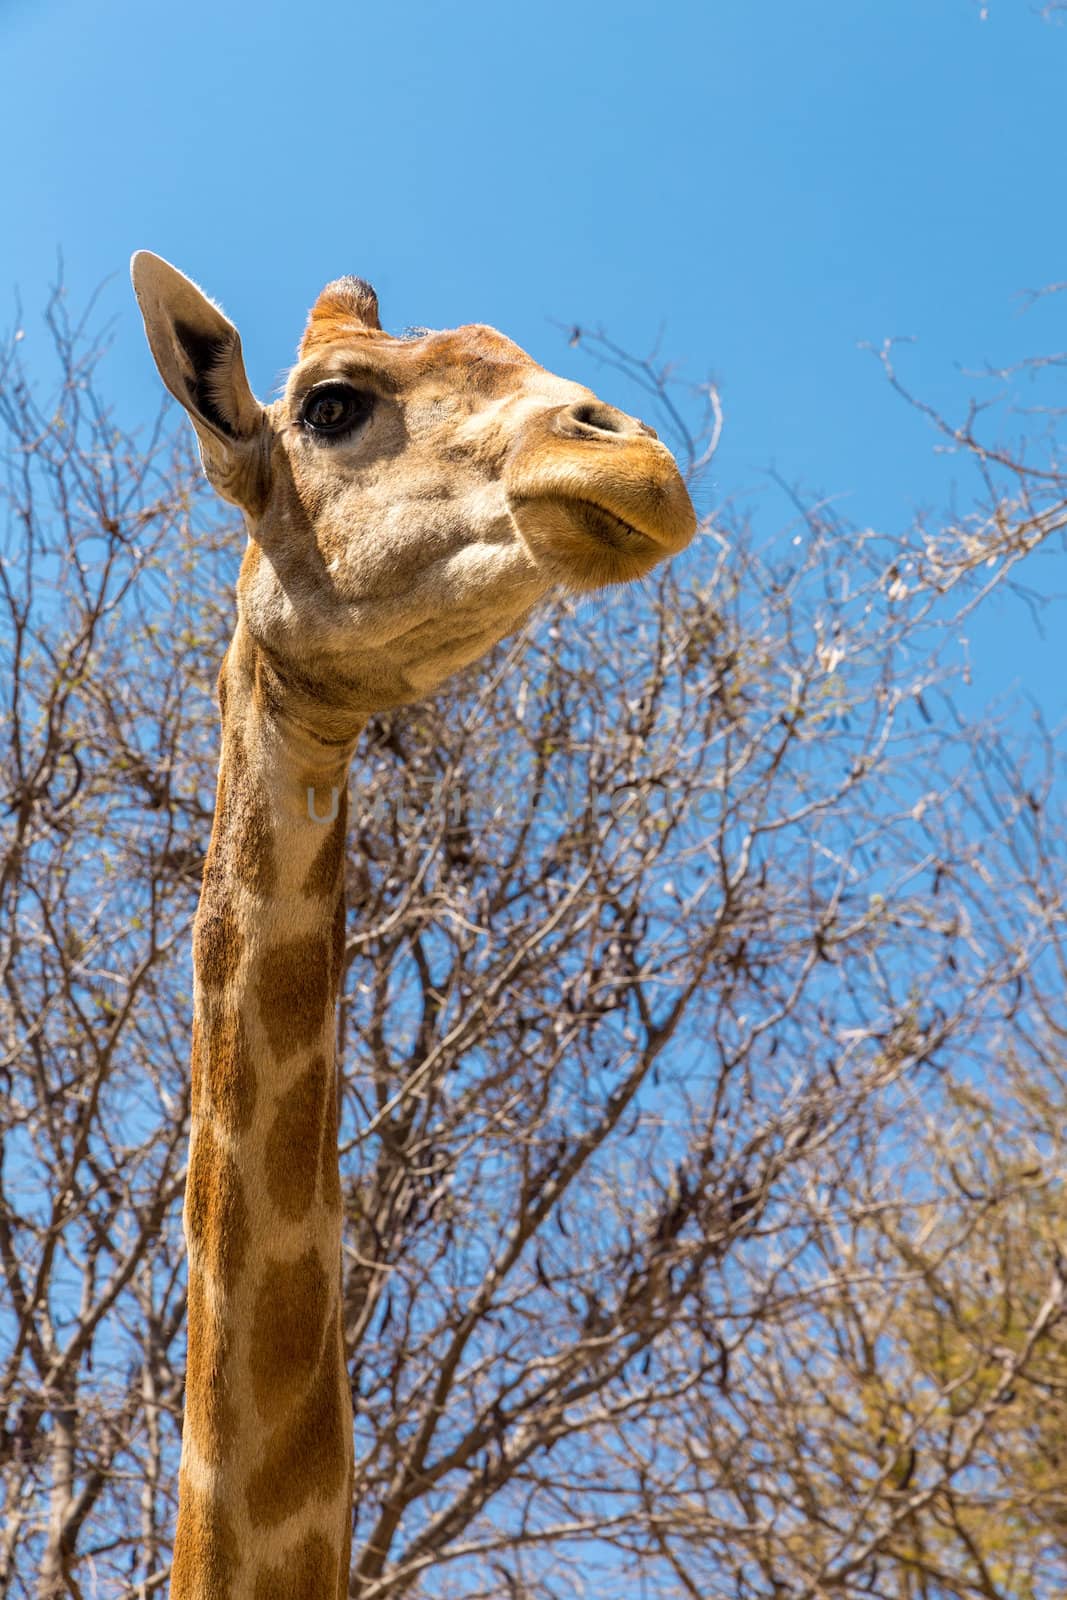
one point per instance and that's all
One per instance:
(198, 353)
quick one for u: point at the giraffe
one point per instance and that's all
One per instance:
(407, 501)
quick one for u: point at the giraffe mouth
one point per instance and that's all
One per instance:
(584, 545)
(608, 528)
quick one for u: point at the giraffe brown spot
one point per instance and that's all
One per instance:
(321, 878)
(231, 1075)
(287, 1330)
(217, 938)
(306, 1457)
(294, 991)
(249, 833)
(307, 1572)
(338, 937)
(294, 1137)
(224, 1080)
(328, 1163)
(210, 1415)
(346, 1533)
(206, 1557)
(216, 1215)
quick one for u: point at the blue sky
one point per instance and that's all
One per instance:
(768, 183)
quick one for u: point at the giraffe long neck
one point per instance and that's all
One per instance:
(265, 1484)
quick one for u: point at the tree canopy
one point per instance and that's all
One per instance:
(702, 1037)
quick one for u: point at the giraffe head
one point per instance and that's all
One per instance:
(408, 500)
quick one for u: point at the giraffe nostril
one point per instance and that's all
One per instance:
(603, 418)
(592, 416)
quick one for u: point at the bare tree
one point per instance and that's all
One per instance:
(683, 939)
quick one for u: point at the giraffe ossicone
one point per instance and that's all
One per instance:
(407, 502)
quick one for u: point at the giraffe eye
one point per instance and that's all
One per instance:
(334, 409)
